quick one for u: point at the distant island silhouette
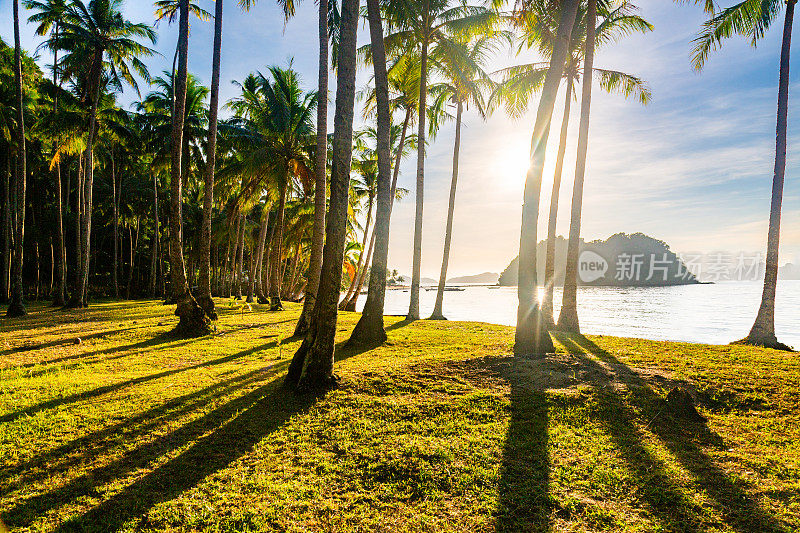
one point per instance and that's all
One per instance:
(622, 260)
(484, 278)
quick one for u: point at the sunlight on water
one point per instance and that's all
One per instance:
(714, 314)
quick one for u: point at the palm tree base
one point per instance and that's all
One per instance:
(437, 316)
(764, 342)
(15, 309)
(568, 321)
(193, 320)
(367, 333)
(58, 302)
(207, 304)
(275, 304)
(74, 303)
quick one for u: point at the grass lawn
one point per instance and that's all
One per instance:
(438, 430)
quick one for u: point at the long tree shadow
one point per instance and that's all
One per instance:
(215, 440)
(62, 458)
(99, 391)
(683, 438)
(524, 500)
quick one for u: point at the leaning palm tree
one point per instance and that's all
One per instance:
(460, 64)
(521, 82)
(418, 25)
(17, 306)
(751, 19)
(529, 339)
(103, 51)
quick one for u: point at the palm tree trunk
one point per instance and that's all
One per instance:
(204, 283)
(75, 299)
(548, 320)
(277, 253)
(448, 233)
(115, 215)
(5, 268)
(255, 275)
(156, 240)
(254, 254)
(312, 365)
(320, 181)
(369, 328)
(193, 320)
(362, 254)
(528, 339)
(134, 245)
(266, 273)
(17, 307)
(413, 307)
(350, 305)
(240, 257)
(763, 331)
(60, 295)
(568, 317)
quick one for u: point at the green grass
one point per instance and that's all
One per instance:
(437, 430)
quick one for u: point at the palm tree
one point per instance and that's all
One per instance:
(49, 16)
(460, 64)
(529, 339)
(17, 307)
(193, 320)
(520, 82)
(97, 36)
(312, 365)
(752, 20)
(273, 128)
(327, 31)
(204, 283)
(370, 158)
(423, 23)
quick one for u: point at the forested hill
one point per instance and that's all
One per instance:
(625, 260)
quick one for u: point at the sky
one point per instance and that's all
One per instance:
(693, 168)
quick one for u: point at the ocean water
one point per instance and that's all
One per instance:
(713, 314)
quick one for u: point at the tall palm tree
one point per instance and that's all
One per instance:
(312, 365)
(520, 82)
(49, 15)
(102, 50)
(568, 317)
(421, 24)
(460, 63)
(204, 282)
(273, 128)
(17, 307)
(751, 20)
(529, 339)
(326, 30)
(193, 320)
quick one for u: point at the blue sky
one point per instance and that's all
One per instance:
(693, 168)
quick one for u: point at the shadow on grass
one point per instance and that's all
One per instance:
(621, 411)
(99, 391)
(215, 440)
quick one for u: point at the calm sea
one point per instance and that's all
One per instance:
(713, 314)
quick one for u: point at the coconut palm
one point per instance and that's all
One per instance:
(529, 339)
(418, 25)
(521, 82)
(751, 20)
(103, 51)
(622, 13)
(193, 320)
(312, 365)
(204, 281)
(274, 130)
(460, 64)
(49, 15)
(16, 306)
